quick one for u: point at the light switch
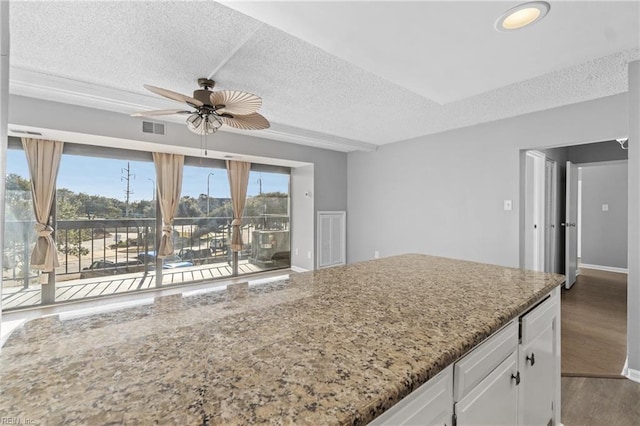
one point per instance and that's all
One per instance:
(605, 207)
(508, 206)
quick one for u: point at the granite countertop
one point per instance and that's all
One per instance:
(333, 346)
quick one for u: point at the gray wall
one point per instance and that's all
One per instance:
(604, 233)
(329, 172)
(302, 233)
(633, 279)
(594, 152)
(443, 194)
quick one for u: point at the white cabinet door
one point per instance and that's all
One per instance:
(494, 401)
(538, 362)
(536, 393)
(430, 404)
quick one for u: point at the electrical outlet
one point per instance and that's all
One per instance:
(508, 205)
(376, 254)
(308, 255)
(605, 207)
(296, 252)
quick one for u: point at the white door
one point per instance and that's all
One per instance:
(570, 223)
(534, 254)
(550, 190)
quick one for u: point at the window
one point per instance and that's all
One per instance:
(105, 224)
(107, 229)
(266, 221)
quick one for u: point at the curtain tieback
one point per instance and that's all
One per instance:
(43, 230)
(236, 222)
(167, 230)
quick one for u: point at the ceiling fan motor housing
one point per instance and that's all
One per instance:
(203, 95)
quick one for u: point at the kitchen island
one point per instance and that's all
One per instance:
(333, 346)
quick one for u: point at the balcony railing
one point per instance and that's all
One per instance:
(99, 247)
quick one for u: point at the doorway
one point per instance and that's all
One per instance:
(590, 249)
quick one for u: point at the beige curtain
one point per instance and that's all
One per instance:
(169, 185)
(238, 172)
(43, 157)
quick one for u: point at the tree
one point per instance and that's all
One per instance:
(188, 207)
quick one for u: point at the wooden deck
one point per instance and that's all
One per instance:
(17, 297)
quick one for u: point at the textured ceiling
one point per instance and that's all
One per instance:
(331, 87)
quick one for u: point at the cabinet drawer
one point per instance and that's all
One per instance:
(431, 403)
(478, 363)
(537, 320)
(494, 401)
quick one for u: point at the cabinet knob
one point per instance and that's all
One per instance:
(516, 377)
(532, 359)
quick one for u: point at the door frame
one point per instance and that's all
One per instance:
(532, 250)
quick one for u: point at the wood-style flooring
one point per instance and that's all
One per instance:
(594, 325)
(590, 401)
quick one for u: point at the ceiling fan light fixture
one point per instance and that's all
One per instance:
(203, 124)
(522, 15)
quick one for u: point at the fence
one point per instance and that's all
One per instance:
(93, 247)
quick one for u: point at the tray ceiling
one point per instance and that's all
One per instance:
(343, 75)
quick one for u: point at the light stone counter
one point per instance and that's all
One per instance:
(334, 346)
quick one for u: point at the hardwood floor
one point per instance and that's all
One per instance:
(596, 401)
(594, 325)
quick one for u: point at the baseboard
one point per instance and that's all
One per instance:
(604, 268)
(298, 269)
(630, 373)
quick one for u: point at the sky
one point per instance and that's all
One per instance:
(106, 177)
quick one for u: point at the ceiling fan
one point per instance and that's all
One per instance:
(213, 109)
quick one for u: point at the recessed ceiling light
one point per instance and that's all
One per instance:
(522, 15)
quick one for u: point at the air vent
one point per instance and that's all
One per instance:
(25, 132)
(150, 127)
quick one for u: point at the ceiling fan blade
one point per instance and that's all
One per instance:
(173, 95)
(159, 112)
(252, 121)
(237, 103)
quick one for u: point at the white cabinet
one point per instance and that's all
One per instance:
(430, 404)
(539, 363)
(486, 380)
(494, 400)
(512, 378)
(524, 388)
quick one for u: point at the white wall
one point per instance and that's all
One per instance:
(604, 233)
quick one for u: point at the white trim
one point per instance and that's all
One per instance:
(604, 268)
(35, 84)
(298, 269)
(630, 373)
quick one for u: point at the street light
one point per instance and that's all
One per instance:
(153, 198)
(208, 176)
